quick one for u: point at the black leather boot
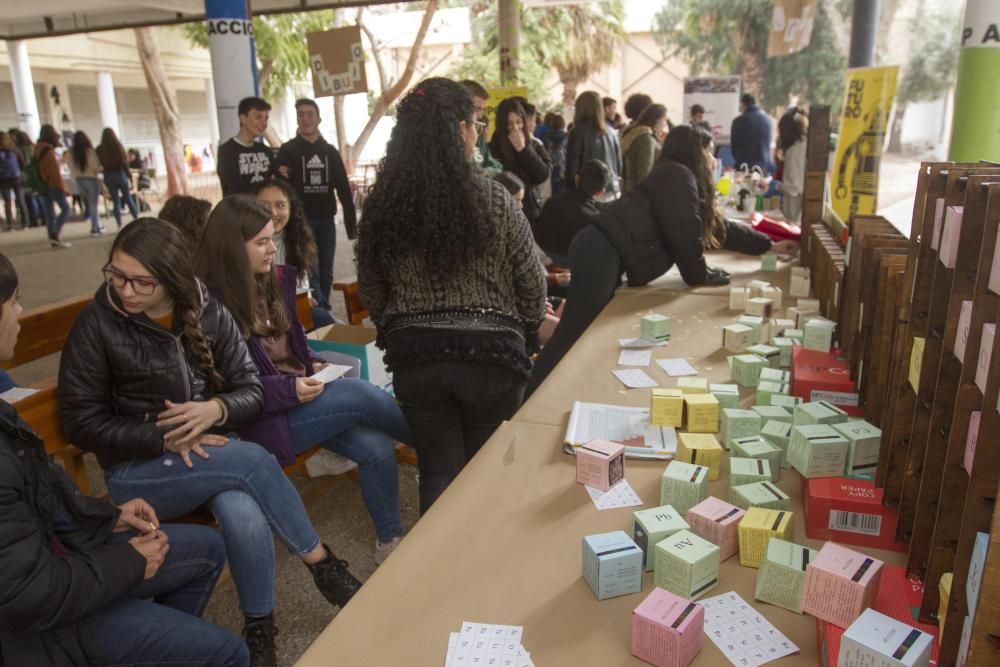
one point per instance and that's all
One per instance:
(333, 580)
(259, 633)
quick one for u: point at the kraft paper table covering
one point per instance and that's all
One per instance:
(503, 545)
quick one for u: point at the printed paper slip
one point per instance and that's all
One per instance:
(677, 367)
(639, 343)
(634, 358)
(618, 423)
(15, 394)
(633, 378)
(487, 644)
(618, 496)
(743, 635)
(330, 372)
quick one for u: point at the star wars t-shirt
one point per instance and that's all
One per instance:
(242, 167)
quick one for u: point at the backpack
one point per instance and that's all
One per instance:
(33, 181)
(10, 170)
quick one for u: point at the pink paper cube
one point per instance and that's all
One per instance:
(667, 630)
(970, 441)
(840, 583)
(600, 464)
(718, 522)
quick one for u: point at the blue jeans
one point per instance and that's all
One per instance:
(158, 622)
(55, 197)
(359, 421)
(118, 186)
(90, 188)
(325, 232)
(250, 497)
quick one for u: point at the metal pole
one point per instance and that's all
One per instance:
(24, 89)
(234, 68)
(509, 16)
(864, 33)
(975, 128)
(106, 102)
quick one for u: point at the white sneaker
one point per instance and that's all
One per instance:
(325, 462)
(384, 550)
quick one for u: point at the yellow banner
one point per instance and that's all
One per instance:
(498, 95)
(868, 107)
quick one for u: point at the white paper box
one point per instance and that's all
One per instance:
(875, 640)
(950, 233)
(962, 336)
(985, 353)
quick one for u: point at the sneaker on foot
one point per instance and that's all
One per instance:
(325, 462)
(259, 634)
(333, 580)
(384, 549)
(56, 243)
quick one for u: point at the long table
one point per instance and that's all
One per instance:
(503, 544)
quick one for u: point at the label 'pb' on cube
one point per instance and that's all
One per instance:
(650, 527)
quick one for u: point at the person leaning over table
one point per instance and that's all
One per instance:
(448, 271)
(77, 573)
(663, 221)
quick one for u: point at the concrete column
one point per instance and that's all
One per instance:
(864, 33)
(106, 102)
(234, 63)
(975, 129)
(509, 23)
(213, 117)
(24, 89)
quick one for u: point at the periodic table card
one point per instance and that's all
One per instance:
(743, 635)
(487, 645)
(618, 496)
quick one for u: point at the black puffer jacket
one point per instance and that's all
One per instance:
(118, 369)
(657, 224)
(44, 597)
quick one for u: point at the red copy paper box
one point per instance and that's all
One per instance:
(823, 376)
(849, 511)
(897, 595)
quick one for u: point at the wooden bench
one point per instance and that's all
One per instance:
(356, 311)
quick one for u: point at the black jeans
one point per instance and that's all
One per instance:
(596, 268)
(325, 232)
(12, 191)
(453, 407)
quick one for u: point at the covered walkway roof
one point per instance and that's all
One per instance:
(25, 19)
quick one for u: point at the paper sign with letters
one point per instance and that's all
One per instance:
(337, 61)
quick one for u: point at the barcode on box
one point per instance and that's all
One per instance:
(856, 522)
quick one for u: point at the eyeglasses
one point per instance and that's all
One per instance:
(479, 125)
(141, 286)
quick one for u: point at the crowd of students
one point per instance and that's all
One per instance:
(190, 378)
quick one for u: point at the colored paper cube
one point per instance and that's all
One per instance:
(774, 294)
(755, 287)
(701, 449)
(718, 522)
(818, 412)
(683, 485)
(760, 307)
(748, 471)
(877, 639)
(778, 434)
(655, 327)
(782, 574)
(796, 335)
(728, 395)
(772, 413)
(738, 298)
(787, 402)
(702, 413)
(652, 525)
(600, 464)
(840, 584)
(756, 447)
(692, 385)
(745, 369)
(816, 450)
(758, 526)
(768, 262)
(737, 337)
(667, 630)
(666, 407)
(799, 286)
(784, 346)
(686, 564)
(737, 423)
(612, 564)
(778, 327)
(818, 334)
(766, 391)
(757, 324)
(863, 444)
(769, 353)
(759, 494)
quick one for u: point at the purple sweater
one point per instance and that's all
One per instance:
(272, 429)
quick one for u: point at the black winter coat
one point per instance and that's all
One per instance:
(657, 224)
(45, 598)
(117, 370)
(586, 143)
(532, 165)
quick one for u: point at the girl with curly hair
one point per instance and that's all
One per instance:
(447, 269)
(154, 374)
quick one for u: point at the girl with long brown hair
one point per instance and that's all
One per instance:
(592, 139)
(115, 164)
(153, 375)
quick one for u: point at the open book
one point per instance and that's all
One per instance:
(628, 426)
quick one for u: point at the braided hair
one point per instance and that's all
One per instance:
(162, 249)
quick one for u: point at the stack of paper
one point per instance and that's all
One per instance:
(487, 644)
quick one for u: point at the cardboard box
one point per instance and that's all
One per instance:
(728, 395)
(816, 450)
(818, 334)
(800, 271)
(766, 391)
(760, 307)
(651, 526)
(800, 286)
(863, 444)
(701, 413)
(683, 485)
(692, 385)
(667, 630)
(701, 449)
(760, 494)
(952, 230)
(784, 346)
(985, 352)
(876, 640)
(612, 564)
(738, 297)
(849, 511)
(745, 369)
(718, 522)
(818, 412)
(600, 464)
(787, 402)
(768, 262)
(975, 419)
(840, 583)
(768, 353)
(737, 423)
(782, 574)
(737, 337)
(774, 294)
(686, 565)
(823, 377)
(974, 577)
(778, 434)
(962, 335)
(758, 526)
(757, 324)
(666, 407)
(358, 342)
(756, 447)
(655, 327)
(748, 471)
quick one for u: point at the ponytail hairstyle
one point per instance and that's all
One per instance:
(223, 265)
(712, 223)
(162, 249)
(300, 246)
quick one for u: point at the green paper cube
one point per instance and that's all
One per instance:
(775, 375)
(816, 450)
(787, 402)
(683, 485)
(728, 395)
(655, 327)
(818, 412)
(651, 526)
(782, 574)
(757, 324)
(784, 346)
(770, 354)
(748, 471)
(778, 434)
(818, 334)
(766, 391)
(686, 564)
(769, 262)
(772, 413)
(745, 369)
(760, 494)
(756, 447)
(737, 423)
(863, 443)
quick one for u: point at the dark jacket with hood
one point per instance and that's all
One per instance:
(56, 567)
(658, 224)
(117, 369)
(531, 165)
